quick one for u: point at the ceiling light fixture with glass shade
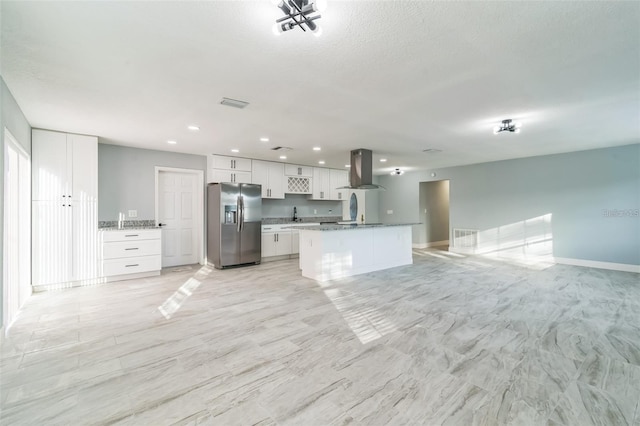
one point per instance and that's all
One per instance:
(507, 125)
(299, 13)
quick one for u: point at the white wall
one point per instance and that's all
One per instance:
(575, 188)
(126, 178)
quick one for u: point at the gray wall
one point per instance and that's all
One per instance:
(12, 118)
(126, 178)
(434, 211)
(574, 188)
(284, 208)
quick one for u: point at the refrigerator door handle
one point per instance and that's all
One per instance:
(241, 213)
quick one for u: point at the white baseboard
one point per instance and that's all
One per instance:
(432, 244)
(599, 265)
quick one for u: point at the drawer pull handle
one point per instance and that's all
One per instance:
(128, 266)
(132, 248)
(131, 235)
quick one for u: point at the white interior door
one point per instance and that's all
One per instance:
(178, 212)
(17, 234)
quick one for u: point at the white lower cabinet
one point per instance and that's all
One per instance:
(130, 253)
(281, 239)
(276, 243)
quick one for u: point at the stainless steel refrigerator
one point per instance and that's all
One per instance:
(234, 224)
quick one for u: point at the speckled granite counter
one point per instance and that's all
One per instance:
(126, 228)
(347, 227)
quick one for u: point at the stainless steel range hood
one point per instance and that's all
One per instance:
(361, 173)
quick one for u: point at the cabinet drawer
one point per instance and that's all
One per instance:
(135, 248)
(131, 265)
(131, 235)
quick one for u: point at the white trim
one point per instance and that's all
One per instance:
(419, 245)
(200, 206)
(599, 265)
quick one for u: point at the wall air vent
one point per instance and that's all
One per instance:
(281, 148)
(431, 150)
(234, 103)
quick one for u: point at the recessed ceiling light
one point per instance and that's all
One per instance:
(316, 148)
(264, 139)
(235, 150)
(283, 157)
(383, 160)
(172, 142)
(321, 162)
(347, 165)
(193, 128)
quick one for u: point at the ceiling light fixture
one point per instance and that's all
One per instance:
(299, 13)
(347, 165)
(383, 160)
(507, 126)
(316, 148)
(397, 172)
(283, 157)
(172, 142)
(321, 162)
(264, 139)
(193, 128)
(235, 150)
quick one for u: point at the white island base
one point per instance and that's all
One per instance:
(328, 253)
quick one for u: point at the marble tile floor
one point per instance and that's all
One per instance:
(446, 341)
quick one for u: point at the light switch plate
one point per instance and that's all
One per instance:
(133, 213)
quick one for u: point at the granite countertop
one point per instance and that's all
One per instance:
(301, 220)
(127, 228)
(338, 227)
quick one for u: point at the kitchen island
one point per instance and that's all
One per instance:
(335, 251)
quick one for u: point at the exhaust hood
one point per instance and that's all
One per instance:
(361, 173)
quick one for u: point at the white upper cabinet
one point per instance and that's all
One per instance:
(230, 163)
(321, 184)
(64, 166)
(337, 179)
(297, 170)
(271, 176)
(228, 169)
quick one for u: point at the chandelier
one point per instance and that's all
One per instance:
(507, 126)
(299, 13)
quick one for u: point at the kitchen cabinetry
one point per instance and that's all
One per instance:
(132, 253)
(338, 179)
(276, 243)
(321, 184)
(281, 239)
(64, 208)
(228, 169)
(271, 176)
(297, 170)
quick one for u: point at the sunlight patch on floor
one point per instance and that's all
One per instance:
(177, 299)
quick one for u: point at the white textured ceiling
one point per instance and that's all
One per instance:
(396, 77)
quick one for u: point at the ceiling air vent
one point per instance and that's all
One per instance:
(234, 103)
(431, 150)
(281, 148)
